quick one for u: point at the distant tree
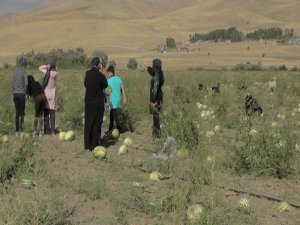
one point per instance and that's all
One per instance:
(132, 64)
(170, 42)
(102, 56)
(112, 63)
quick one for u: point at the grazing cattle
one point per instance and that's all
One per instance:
(201, 87)
(216, 89)
(251, 105)
(272, 85)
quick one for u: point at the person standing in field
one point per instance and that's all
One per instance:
(19, 90)
(156, 94)
(36, 91)
(115, 98)
(95, 83)
(49, 86)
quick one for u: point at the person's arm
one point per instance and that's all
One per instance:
(123, 95)
(26, 83)
(43, 69)
(103, 81)
(149, 69)
(154, 89)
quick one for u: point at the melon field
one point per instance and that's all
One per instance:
(225, 168)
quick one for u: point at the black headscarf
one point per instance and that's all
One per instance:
(156, 65)
(95, 62)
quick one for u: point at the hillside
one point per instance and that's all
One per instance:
(126, 28)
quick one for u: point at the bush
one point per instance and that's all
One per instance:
(294, 69)
(113, 63)
(170, 42)
(282, 68)
(132, 64)
(263, 151)
(102, 56)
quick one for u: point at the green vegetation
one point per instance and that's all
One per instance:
(232, 34)
(223, 149)
(170, 42)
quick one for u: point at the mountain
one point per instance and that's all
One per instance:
(125, 27)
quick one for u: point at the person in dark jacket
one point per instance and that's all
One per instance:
(95, 83)
(156, 94)
(36, 91)
(19, 90)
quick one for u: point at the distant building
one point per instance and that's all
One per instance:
(181, 47)
(203, 42)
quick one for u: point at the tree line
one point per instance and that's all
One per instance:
(232, 34)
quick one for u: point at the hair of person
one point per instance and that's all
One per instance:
(156, 64)
(95, 62)
(111, 69)
(30, 79)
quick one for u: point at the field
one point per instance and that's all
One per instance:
(45, 181)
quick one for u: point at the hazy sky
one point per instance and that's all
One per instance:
(19, 5)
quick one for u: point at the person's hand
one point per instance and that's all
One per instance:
(146, 65)
(124, 101)
(153, 104)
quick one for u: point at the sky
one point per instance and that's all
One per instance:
(19, 5)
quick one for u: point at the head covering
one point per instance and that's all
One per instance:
(21, 61)
(51, 61)
(95, 62)
(30, 79)
(156, 64)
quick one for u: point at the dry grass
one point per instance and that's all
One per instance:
(125, 29)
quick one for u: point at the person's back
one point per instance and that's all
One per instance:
(20, 76)
(19, 91)
(115, 96)
(34, 88)
(94, 86)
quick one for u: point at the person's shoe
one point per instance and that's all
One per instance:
(54, 135)
(41, 134)
(35, 133)
(17, 134)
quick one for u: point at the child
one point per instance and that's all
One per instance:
(156, 94)
(36, 91)
(115, 98)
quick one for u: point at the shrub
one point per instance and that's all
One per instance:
(132, 64)
(294, 69)
(112, 63)
(282, 68)
(170, 42)
(102, 56)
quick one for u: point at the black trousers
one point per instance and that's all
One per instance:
(114, 119)
(19, 100)
(49, 116)
(92, 126)
(156, 132)
(40, 102)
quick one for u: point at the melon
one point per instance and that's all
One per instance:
(62, 135)
(244, 205)
(100, 152)
(128, 142)
(194, 212)
(70, 135)
(115, 133)
(123, 150)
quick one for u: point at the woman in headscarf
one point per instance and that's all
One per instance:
(49, 86)
(156, 94)
(19, 90)
(95, 83)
